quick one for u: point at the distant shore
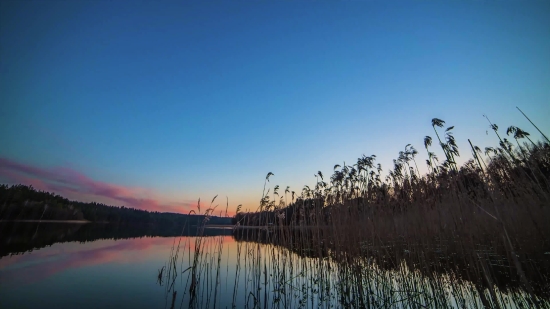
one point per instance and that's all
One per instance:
(86, 221)
(49, 221)
(217, 226)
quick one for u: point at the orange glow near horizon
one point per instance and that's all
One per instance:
(77, 186)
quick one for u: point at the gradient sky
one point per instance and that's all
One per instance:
(153, 104)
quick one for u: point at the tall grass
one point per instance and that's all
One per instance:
(470, 236)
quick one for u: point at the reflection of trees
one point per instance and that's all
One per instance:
(17, 238)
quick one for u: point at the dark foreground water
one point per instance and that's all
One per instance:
(61, 265)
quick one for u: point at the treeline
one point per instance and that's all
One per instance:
(21, 202)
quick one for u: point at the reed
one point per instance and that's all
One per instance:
(470, 236)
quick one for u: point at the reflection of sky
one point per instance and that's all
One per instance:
(108, 271)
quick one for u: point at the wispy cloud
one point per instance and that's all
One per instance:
(71, 183)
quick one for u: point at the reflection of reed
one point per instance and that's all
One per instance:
(278, 270)
(472, 262)
(159, 276)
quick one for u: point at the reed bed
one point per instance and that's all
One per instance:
(474, 236)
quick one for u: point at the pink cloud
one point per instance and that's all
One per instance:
(68, 182)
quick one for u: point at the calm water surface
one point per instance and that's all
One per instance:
(87, 268)
(61, 265)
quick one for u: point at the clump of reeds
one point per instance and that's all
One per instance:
(470, 236)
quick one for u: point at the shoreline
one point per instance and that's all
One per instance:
(49, 221)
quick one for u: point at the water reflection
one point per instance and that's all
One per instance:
(55, 265)
(91, 265)
(16, 238)
(304, 268)
(441, 256)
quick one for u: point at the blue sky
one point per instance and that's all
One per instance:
(185, 99)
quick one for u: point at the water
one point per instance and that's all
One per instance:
(82, 266)
(57, 265)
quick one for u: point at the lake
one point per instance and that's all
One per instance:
(58, 265)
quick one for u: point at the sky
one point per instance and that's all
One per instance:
(155, 104)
